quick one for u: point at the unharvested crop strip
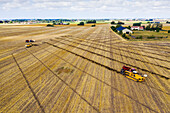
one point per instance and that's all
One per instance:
(112, 52)
(110, 59)
(132, 46)
(146, 46)
(129, 51)
(141, 49)
(66, 83)
(126, 51)
(41, 107)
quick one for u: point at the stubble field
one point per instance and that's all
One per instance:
(77, 69)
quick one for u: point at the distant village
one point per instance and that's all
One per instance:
(65, 21)
(146, 30)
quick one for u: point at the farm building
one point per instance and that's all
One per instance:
(127, 31)
(137, 28)
(120, 28)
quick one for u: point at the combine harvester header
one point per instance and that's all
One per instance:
(132, 74)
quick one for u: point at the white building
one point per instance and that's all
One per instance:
(137, 28)
(127, 31)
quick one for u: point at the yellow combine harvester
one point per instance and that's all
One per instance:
(133, 74)
(28, 45)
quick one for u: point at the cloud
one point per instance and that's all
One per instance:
(97, 6)
(53, 5)
(85, 4)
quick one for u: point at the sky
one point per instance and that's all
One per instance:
(84, 9)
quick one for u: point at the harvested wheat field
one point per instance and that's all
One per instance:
(74, 69)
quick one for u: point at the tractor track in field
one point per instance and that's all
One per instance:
(107, 67)
(128, 56)
(143, 50)
(28, 84)
(32, 32)
(99, 79)
(121, 49)
(23, 48)
(133, 48)
(108, 58)
(29, 66)
(154, 47)
(141, 47)
(113, 53)
(65, 82)
(77, 69)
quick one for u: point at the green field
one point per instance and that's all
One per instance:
(145, 34)
(149, 33)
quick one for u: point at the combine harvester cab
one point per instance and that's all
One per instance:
(133, 74)
(28, 45)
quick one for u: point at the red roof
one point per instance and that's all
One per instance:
(137, 27)
(140, 27)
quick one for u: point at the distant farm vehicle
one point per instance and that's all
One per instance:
(27, 41)
(133, 74)
(32, 40)
(28, 45)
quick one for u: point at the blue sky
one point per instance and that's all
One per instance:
(94, 9)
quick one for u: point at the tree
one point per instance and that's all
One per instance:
(91, 21)
(129, 27)
(54, 22)
(136, 24)
(168, 22)
(60, 21)
(124, 35)
(81, 23)
(120, 32)
(156, 26)
(118, 25)
(113, 28)
(120, 22)
(157, 30)
(49, 25)
(93, 25)
(148, 27)
(113, 22)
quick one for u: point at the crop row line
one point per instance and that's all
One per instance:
(64, 82)
(98, 78)
(155, 46)
(107, 67)
(112, 52)
(113, 60)
(124, 50)
(34, 95)
(143, 49)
